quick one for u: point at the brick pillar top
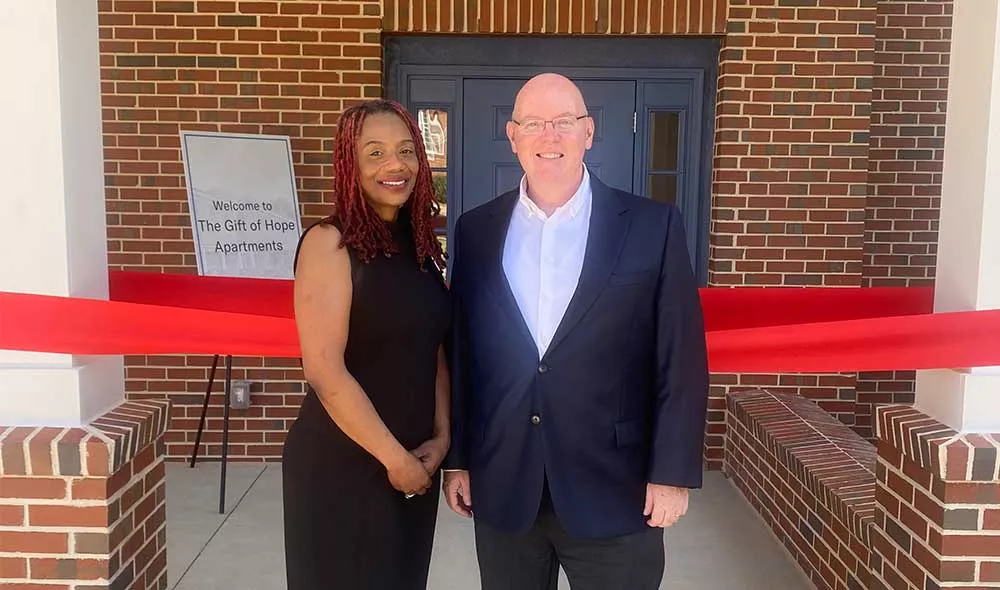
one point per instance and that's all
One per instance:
(937, 517)
(98, 449)
(85, 506)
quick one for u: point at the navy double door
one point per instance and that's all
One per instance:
(652, 135)
(490, 168)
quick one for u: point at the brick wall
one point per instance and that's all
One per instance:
(791, 162)
(913, 41)
(920, 513)
(614, 17)
(792, 143)
(812, 480)
(937, 523)
(85, 507)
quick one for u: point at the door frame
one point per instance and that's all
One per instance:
(699, 65)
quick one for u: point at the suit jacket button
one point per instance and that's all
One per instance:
(542, 368)
(536, 419)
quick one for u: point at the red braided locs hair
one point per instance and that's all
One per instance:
(360, 226)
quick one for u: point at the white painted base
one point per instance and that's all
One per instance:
(68, 395)
(966, 402)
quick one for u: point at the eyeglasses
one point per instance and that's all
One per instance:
(565, 124)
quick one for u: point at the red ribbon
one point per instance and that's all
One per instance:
(769, 330)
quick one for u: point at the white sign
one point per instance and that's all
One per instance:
(243, 202)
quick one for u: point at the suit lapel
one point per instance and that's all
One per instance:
(608, 227)
(499, 287)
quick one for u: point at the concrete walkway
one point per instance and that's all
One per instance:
(720, 544)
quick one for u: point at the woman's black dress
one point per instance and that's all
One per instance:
(346, 527)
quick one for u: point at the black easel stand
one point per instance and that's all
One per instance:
(225, 424)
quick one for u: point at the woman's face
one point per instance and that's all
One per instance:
(387, 163)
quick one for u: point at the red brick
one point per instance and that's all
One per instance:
(899, 486)
(969, 546)
(90, 488)
(69, 568)
(894, 579)
(928, 507)
(40, 451)
(910, 570)
(13, 567)
(967, 492)
(11, 515)
(919, 475)
(989, 571)
(991, 519)
(12, 450)
(882, 545)
(68, 516)
(913, 521)
(45, 488)
(958, 571)
(33, 542)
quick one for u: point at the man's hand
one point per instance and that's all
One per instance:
(432, 453)
(665, 504)
(457, 492)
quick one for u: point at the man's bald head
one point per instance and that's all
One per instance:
(550, 132)
(549, 90)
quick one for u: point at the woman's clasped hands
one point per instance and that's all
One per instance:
(412, 472)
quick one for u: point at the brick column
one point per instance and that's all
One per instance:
(85, 507)
(937, 516)
(912, 47)
(791, 167)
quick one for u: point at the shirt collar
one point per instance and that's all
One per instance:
(573, 207)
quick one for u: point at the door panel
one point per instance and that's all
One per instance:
(489, 168)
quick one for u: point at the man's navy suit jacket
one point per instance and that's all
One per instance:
(619, 398)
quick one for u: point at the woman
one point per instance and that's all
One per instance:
(361, 461)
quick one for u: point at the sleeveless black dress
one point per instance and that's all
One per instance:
(346, 527)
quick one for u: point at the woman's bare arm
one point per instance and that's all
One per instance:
(322, 312)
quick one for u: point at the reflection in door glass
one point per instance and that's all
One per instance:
(663, 138)
(439, 179)
(662, 188)
(434, 130)
(434, 127)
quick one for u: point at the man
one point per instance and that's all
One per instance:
(580, 378)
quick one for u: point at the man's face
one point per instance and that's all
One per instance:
(549, 132)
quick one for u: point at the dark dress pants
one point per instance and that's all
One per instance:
(531, 561)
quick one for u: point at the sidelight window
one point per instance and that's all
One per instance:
(664, 167)
(433, 124)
